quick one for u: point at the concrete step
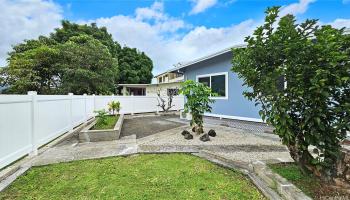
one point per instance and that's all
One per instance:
(127, 139)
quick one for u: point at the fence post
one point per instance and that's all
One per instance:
(33, 117)
(132, 104)
(85, 101)
(94, 98)
(70, 95)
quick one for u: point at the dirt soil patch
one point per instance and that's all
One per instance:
(145, 126)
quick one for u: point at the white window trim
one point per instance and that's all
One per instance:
(216, 74)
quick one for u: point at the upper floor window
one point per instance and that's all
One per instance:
(218, 83)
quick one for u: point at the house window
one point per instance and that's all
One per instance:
(173, 91)
(218, 83)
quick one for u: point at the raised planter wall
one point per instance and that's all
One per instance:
(87, 135)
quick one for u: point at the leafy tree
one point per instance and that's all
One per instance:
(300, 74)
(88, 67)
(68, 30)
(134, 66)
(75, 58)
(33, 66)
(197, 102)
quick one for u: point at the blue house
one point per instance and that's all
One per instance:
(215, 71)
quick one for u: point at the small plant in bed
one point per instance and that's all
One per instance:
(104, 121)
(114, 107)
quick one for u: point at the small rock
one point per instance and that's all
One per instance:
(188, 136)
(185, 133)
(212, 133)
(204, 138)
(194, 129)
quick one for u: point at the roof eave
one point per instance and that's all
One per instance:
(208, 57)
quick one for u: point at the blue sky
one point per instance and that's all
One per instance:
(223, 13)
(169, 31)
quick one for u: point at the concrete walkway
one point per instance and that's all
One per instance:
(231, 143)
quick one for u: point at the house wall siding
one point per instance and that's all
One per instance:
(236, 105)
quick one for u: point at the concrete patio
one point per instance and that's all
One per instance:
(236, 144)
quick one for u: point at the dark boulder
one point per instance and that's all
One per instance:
(212, 133)
(185, 133)
(194, 129)
(188, 136)
(204, 138)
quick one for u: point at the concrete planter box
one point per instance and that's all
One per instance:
(87, 135)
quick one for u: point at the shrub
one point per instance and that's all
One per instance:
(101, 117)
(197, 102)
(300, 75)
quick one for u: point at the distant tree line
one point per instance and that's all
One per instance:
(74, 58)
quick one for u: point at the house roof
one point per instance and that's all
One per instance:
(207, 57)
(145, 85)
(184, 65)
(168, 71)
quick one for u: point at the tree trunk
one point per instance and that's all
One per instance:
(303, 159)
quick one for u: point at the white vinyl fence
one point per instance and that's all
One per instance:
(30, 121)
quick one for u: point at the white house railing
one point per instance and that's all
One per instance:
(30, 121)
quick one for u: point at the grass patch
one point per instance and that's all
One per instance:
(148, 176)
(110, 119)
(309, 184)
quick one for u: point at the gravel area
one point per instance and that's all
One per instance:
(149, 125)
(256, 127)
(231, 143)
(225, 136)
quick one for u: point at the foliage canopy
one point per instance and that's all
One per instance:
(300, 74)
(74, 58)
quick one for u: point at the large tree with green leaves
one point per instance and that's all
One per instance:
(135, 66)
(87, 66)
(74, 58)
(33, 65)
(68, 30)
(300, 74)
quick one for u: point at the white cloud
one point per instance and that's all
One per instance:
(151, 30)
(25, 19)
(166, 39)
(296, 8)
(201, 5)
(340, 23)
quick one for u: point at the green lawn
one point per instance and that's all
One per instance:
(146, 176)
(110, 119)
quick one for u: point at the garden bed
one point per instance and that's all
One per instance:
(309, 184)
(148, 176)
(106, 132)
(111, 120)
